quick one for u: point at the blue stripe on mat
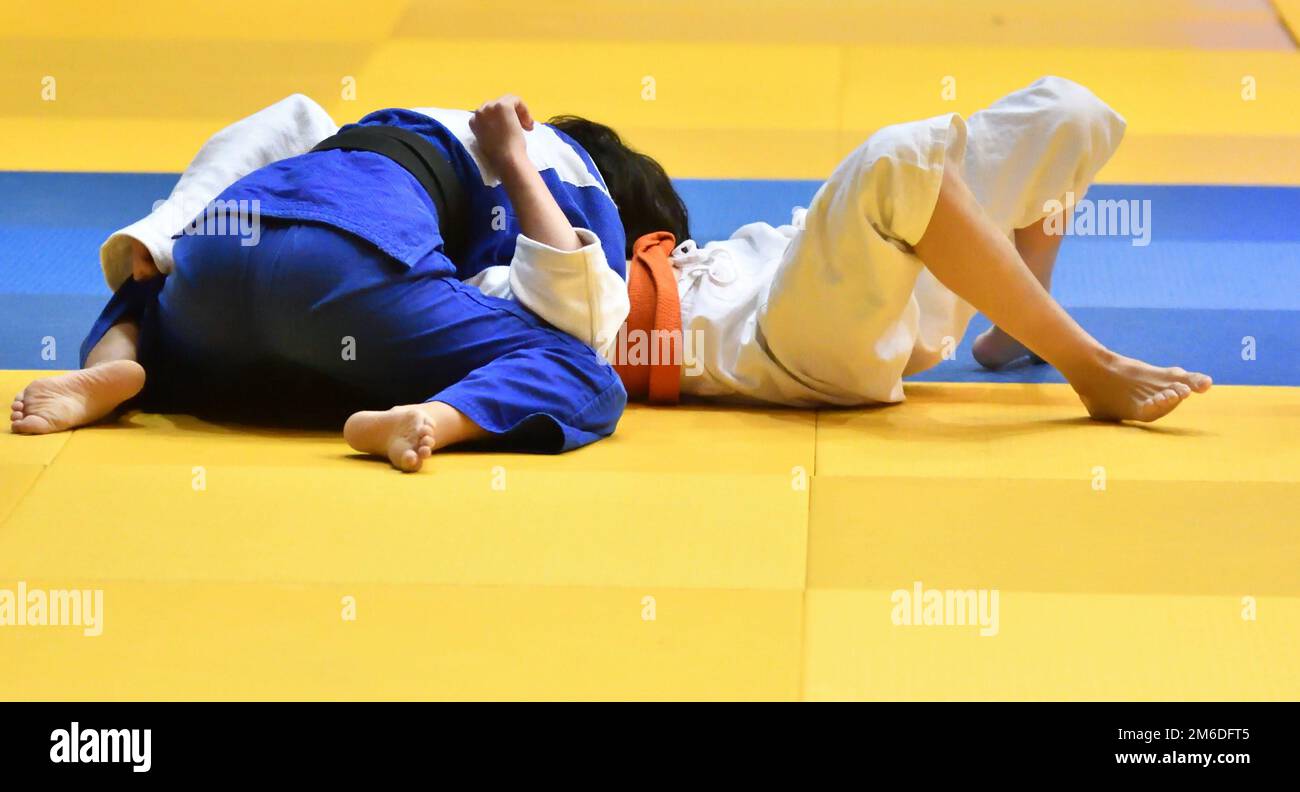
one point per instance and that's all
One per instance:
(1223, 265)
(1233, 347)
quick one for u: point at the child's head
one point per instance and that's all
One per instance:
(639, 186)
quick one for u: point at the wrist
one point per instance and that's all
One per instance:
(513, 165)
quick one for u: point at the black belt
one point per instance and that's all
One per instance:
(422, 160)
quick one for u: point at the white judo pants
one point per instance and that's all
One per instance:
(852, 309)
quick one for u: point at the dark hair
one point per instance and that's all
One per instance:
(639, 186)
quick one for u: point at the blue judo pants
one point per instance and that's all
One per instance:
(315, 321)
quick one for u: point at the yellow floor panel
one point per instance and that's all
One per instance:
(1056, 647)
(1188, 159)
(1182, 92)
(126, 494)
(90, 79)
(1236, 24)
(464, 589)
(216, 641)
(24, 450)
(164, 20)
(356, 521)
(648, 440)
(234, 590)
(16, 481)
(975, 430)
(1152, 23)
(1050, 535)
(1008, 487)
(1289, 11)
(736, 107)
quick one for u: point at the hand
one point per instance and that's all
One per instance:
(142, 266)
(499, 126)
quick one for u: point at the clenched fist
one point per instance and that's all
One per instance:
(499, 128)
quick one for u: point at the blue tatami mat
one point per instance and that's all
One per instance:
(1234, 347)
(1217, 288)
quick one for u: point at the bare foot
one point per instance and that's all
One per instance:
(403, 434)
(994, 349)
(66, 401)
(1128, 389)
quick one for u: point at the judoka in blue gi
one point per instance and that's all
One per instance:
(279, 281)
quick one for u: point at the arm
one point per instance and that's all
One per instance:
(558, 272)
(499, 128)
(285, 129)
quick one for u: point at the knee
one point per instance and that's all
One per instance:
(1082, 119)
(892, 179)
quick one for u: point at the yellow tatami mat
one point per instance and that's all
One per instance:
(229, 558)
(701, 552)
(1289, 11)
(258, 641)
(765, 89)
(1054, 647)
(1130, 562)
(1016, 490)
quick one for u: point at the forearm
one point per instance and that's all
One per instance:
(540, 217)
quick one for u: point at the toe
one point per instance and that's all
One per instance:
(1195, 380)
(1150, 411)
(411, 460)
(424, 452)
(1181, 389)
(30, 424)
(1159, 405)
(1152, 407)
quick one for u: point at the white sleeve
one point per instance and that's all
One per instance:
(290, 127)
(574, 290)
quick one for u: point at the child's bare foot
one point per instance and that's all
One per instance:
(403, 434)
(994, 349)
(1123, 388)
(66, 401)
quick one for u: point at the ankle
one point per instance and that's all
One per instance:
(1091, 363)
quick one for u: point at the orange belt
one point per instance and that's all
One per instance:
(656, 312)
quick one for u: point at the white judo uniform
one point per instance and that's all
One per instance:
(835, 308)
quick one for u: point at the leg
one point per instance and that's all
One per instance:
(1042, 143)
(553, 396)
(66, 401)
(968, 254)
(994, 348)
(121, 342)
(460, 366)
(409, 434)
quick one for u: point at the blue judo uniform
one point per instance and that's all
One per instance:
(348, 301)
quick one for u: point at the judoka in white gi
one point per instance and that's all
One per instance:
(920, 226)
